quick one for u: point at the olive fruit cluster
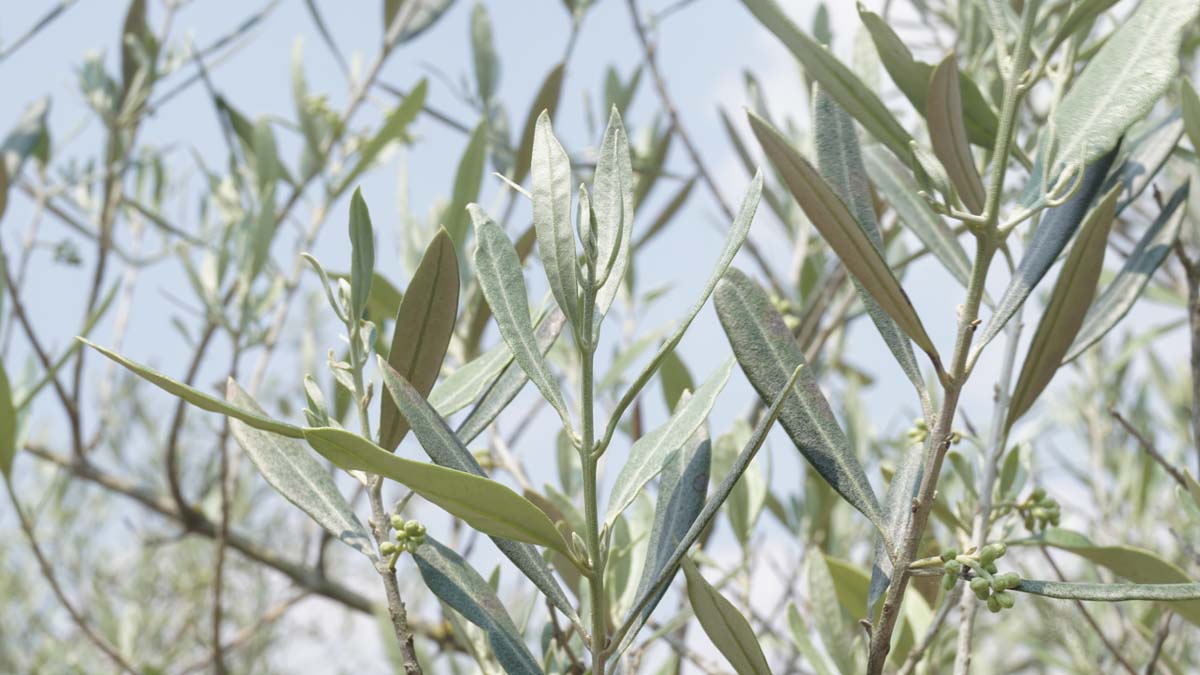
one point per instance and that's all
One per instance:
(1039, 510)
(985, 581)
(919, 431)
(409, 536)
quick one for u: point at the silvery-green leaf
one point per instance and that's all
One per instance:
(914, 212)
(801, 636)
(546, 100)
(746, 502)
(681, 495)
(842, 232)
(551, 188)
(897, 508)
(1191, 112)
(709, 512)
(768, 355)
(395, 128)
(829, 617)
(1148, 152)
(506, 387)
(289, 467)
(1116, 300)
(675, 379)
(1144, 568)
(458, 585)
(198, 398)
(612, 201)
(467, 181)
(737, 234)
(651, 452)
(503, 284)
(444, 448)
(842, 84)
(421, 18)
(1057, 227)
(1122, 82)
(485, 505)
(729, 631)
(1064, 312)
(840, 162)
(362, 254)
(422, 331)
(483, 51)
(1173, 593)
(463, 386)
(912, 79)
(948, 134)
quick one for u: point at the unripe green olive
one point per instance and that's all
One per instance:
(387, 548)
(414, 528)
(1039, 493)
(948, 582)
(991, 568)
(981, 587)
(953, 567)
(993, 604)
(1004, 599)
(397, 522)
(401, 536)
(949, 555)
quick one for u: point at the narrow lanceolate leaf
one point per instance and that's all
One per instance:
(729, 631)
(768, 355)
(842, 232)
(897, 506)
(651, 452)
(1117, 299)
(1056, 229)
(840, 162)
(912, 79)
(1112, 592)
(444, 448)
(681, 495)
(612, 200)
(362, 254)
(1129, 562)
(948, 134)
(801, 636)
(198, 398)
(897, 187)
(711, 507)
(458, 585)
(1148, 153)
(546, 100)
(289, 467)
(1122, 82)
(467, 181)
(462, 387)
(506, 387)
(1069, 301)
(840, 81)
(8, 424)
(737, 234)
(1191, 113)
(503, 285)
(395, 128)
(485, 505)
(424, 326)
(551, 187)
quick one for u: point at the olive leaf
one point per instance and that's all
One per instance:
(800, 636)
(840, 162)
(768, 353)
(1144, 568)
(651, 452)
(198, 398)
(8, 425)
(912, 78)
(681, 495)
(362, 254)
(842, 84)
(1117, 299)
(394, 128)
(1062, 590)
(1148, 152)
(485, 505)
(462, 387)
(1049, 239)
(1122, 82)
(422, 332)
(506, 387)
(897, 186)
(842, 232)
(467, 181)
(612, 201)
(1065, 311)
(546, 101)
(551, 182)
(948, 134)
(1191, 111)
(444, 448)
(725, 626)
(290, 468)
(500, 276)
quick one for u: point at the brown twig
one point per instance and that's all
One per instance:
(1149, 448)
(1090, 619)
(1159, 640)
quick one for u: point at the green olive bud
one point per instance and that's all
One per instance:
(994, 550)
(953, 567)
(413, 528)
(949, 554)
(948, 581)
(387, 548)
(1039, 493)
(1008, 580)
(402, 536)
(1029, 522)
(1005, 599)
(1055, 519)
(397, 522)
(980, 586)
(991, 568)
(993, 604)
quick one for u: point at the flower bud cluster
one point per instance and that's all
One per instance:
(409, 536)
(1039, 510)
(985, 581)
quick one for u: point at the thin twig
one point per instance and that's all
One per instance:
(1087, 616)
(1149, 448)
(1159, 640)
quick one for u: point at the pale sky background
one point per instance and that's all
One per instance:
(704, 50)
